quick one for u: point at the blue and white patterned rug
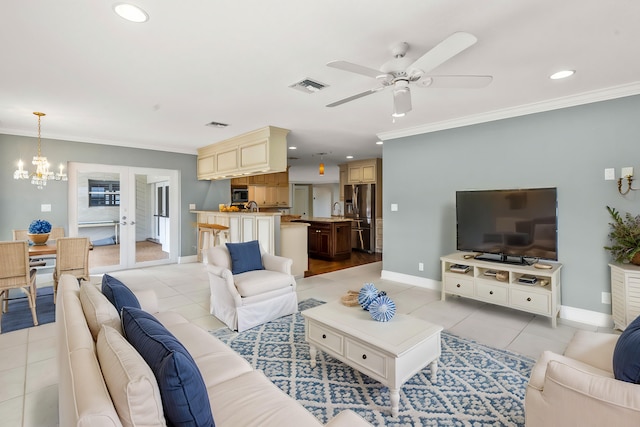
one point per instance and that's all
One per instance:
(476, 385)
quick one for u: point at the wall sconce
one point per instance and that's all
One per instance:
(627, 173)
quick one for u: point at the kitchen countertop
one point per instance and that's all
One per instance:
(324, 219)
(240, 213)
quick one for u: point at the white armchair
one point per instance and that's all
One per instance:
(252, 298)
(579, 388)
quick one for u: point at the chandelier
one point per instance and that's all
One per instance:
(42, 174)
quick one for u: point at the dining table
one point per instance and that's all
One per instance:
(36, 251)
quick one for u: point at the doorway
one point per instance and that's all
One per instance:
(129, 214)
(301, 200)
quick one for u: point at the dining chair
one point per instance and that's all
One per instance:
(15, 273)
(72, 258)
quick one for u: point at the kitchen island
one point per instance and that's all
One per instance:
(246, 225)
(329, 238)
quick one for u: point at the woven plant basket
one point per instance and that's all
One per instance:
(636, 259)
(350, 299)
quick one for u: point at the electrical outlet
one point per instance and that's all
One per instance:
(394, 207)
(627, 171)
(606, 297)
(45, 208)
(420, 266)
(609, 174)
(192, 206)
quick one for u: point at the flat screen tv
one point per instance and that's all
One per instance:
(508, 225)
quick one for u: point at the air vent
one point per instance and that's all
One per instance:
(308, 86)
(217, 125)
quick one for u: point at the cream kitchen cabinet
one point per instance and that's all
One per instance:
(259, 152)
(363, 172)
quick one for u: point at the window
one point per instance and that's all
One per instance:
(104, 193)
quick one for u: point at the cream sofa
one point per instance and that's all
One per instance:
(578, 388)
(238, 394)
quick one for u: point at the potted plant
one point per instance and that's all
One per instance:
(39, 231)
(625, 237)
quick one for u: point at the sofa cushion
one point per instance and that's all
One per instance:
(245, 256)
(97, 310)
(130, 381)
(118, 293)
(182, 389)
(260, 281)
(626, 355)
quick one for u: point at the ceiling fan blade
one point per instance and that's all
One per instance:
(462, 82)
(355, 68)
(443, 51)
(354, 97)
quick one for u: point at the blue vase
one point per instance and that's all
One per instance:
(382, 309)
(367, 294)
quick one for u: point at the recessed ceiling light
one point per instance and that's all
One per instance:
(562, 74)
(293, 148)
(130, 12)
(349, 157)
(379, 143)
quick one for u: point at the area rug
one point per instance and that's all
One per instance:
(476, 385)
(19, 314)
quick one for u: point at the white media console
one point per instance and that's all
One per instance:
(521, 287)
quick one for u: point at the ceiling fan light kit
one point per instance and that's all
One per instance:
(401, 71)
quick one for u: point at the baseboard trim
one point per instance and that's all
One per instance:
(572, 314)
(421, 282)
(187, 259)
(587, 317)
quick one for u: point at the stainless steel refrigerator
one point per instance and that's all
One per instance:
(360, 205)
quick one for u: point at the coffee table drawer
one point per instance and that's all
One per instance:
(367, 358)
(325, 337)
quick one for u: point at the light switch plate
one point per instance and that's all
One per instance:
(192, 206)
(45, 208)
(628, 171)
(394, 207)
(609, 174)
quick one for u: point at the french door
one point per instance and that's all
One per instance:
(131, 215)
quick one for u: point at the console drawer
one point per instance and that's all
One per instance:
(366, 358)
(531, 301)
(492, 293)
(325, 337)
(458, 284)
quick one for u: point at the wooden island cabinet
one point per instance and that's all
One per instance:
(329, 238)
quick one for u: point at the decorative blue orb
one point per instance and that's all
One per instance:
(367, 294)
(382, 309)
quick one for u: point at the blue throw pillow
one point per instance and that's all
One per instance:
(182, 389)
(245, 256)
(118, 293)
(626, 355)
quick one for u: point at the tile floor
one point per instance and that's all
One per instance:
(28, 377)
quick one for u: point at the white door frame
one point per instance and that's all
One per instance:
(127, 209)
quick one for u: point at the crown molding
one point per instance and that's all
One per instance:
(127, 144)
(521, 110)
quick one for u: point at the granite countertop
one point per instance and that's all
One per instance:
(325, 219)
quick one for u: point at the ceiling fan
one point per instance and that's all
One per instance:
(401, 71)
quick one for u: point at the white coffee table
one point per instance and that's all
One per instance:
(389, 352)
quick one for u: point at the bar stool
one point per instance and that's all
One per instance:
(212, 233)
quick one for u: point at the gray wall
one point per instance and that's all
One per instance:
(568, 149)
(20, 200)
